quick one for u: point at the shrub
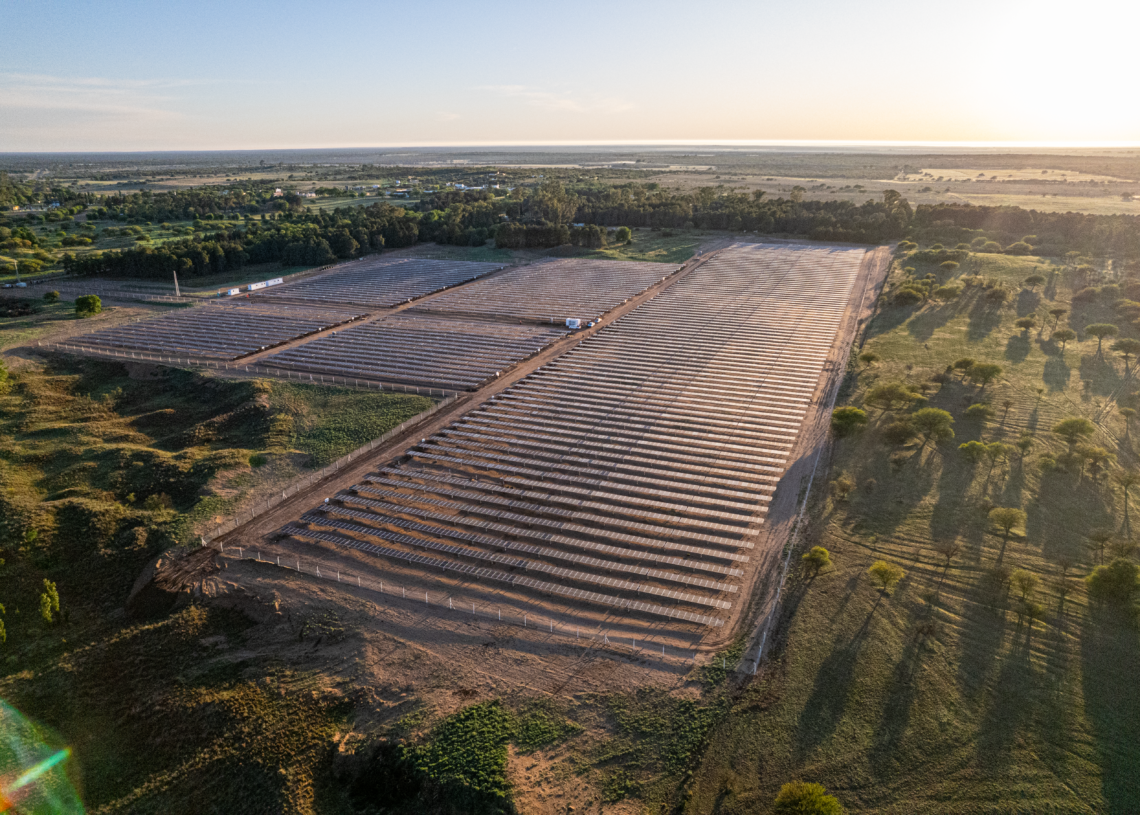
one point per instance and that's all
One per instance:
(52, 297)
(886, 574)
(899, 432)
(1006, 518)
(802, 798)
(909, 295)
(817, 558)
(87, 305)
(841, 486)
(998, 295)
(948, 292)
(979, 411)
(974, 451)
(258, 460)
(1115, 582)
(846, 420)
(623, 235)
(868, 358)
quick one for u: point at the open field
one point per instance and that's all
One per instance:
(959, 691)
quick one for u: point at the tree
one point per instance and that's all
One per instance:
(948, 266)
(841, 486)
(52, 297)
(1064, 336)
(1114, 583)
(1026, 324)
(933, 424)
(890, 396)
(948, 549)
(623, 235)
(979, 411)
(847, 420)
(1094, 456)
(1024, 443)
(802, 798)
(995, 452)
(886, 574)
(1006, 518)
(87, 305)
(49, 603)
(974, 451)
(1057, 314)
(964, 365)
(1034, 280)
(1098, 539)
(948, 292)
(1074, 428)
(985, 372)
(1100, 331)
(817, 558)
(1025, 582)
(868, 358)
(1126, 348)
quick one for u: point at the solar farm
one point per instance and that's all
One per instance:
(554, 290)
(217, 331)
(453, 354)
(380, 281)
(626, 483)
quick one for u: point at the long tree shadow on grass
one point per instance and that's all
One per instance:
(1027, 302)
(828, 701)
(1110, 662)
(923, 325)
(1011, 704)
(983, 625)
(1057, 373)
(1099, 375)
(1017, 348)
(985, 317)
(1063, 512)
(888, 319)
(895, 720)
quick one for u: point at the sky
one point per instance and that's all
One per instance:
(112, 75)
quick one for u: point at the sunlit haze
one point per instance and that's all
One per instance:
(147, 76)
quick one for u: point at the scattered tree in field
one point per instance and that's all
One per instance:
(1026, 324)
(816, 559)
(1127, 481)
(964, 365)
(1121, 548)
(49, 603)
(1025, 582)
(948, 292)
(1126, 348)
(999, 296)
(87, 305)
(1033, 281)
(974, 451)
(52, 297)
(995, 452)
(1074, 428)
(899, 432)
(841, 486)
(933, 424)
(948, 266)
(1006, 518)
(979, 411)
(1064, 336)
(846, 420)
(1114, 583)
(1094, 456)
(1024, 443)
(802, 798)
(1057, 314)
(1097, 541)
(868, 358)
(890, 396)
(949, 550)
(985, 372)
(1100, 331)
(623, 235)
(1006, 404)
(885, 574)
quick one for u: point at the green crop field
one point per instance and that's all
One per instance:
(987, 680)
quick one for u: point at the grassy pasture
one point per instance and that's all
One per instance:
(947, 695)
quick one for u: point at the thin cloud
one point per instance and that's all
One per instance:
(548, 100)
(147, 99)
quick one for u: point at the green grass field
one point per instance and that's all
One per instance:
(950, 695)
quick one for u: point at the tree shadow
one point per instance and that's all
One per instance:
(1017, 348)
(825, 707)
(984, 319)
(983, 632)
(1099, 375)
(926, 322)
(888, 319)
(1012, 701)
(1027, 302)
(895, 720)
(1110, 662)
(1049, 518)
(1057, 373)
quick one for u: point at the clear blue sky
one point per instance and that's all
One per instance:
(108, 75)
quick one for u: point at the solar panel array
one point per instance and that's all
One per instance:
(216, 331)
(634, 471)
(409, 349)
(555, 290)
(381, 281)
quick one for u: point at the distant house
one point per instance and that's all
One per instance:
(277, 193)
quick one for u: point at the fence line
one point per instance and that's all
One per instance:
(596, 638)
(306, 481)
